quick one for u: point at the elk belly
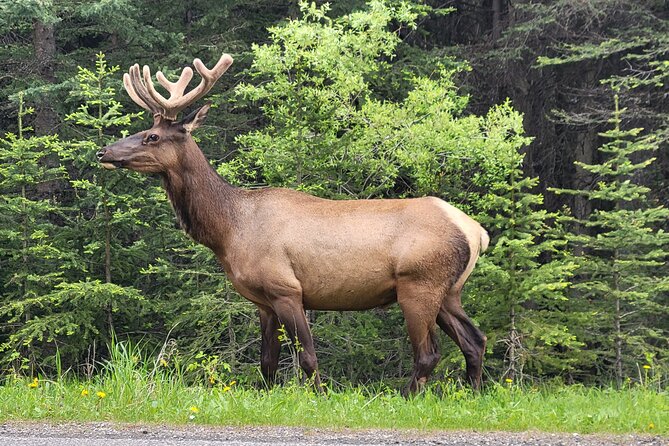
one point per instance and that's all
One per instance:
(349, 289)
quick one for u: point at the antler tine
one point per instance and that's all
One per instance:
(209, 78)
(131, 91)
(178, 86)
(137, 91)
(176, 90)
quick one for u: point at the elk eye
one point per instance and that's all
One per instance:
(153, 137)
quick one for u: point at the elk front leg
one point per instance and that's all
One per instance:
(270, 347)
(291, 314)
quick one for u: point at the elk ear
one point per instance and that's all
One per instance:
(195, 119)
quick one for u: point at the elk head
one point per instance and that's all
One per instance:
(161, 147)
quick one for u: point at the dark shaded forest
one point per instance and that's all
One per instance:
(545, 120)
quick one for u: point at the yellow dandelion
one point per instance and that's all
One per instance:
(651, 425)
(646, 366)
(194, 409)
(232, 383)
(508, 380)
(227, 388)
(84, 392)
(100, 394)
(163, 362)
(212, 380)
(34, 384)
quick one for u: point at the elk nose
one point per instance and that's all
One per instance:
(102, 152)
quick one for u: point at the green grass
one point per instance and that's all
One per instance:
(139, 391)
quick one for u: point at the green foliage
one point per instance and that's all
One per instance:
(110, 209)
(194, 303)
(44, 75)
(354, 100)
(520, 285)
(327, 132)
(311, 81)
(622, 253)
(99, 110)
(65, 321)
(30, 240)
(589, 51)
(209, 368)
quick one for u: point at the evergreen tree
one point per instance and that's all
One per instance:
(32, 257)
(619, 274)
(76, 308)
(118, 227)
(519, 285)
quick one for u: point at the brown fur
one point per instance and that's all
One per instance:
(287, 251)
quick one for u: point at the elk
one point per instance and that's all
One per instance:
(287, 251)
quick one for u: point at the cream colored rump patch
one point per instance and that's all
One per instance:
(477, 237)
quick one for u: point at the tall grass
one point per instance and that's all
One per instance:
(135, 388)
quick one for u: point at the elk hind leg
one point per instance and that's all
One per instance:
(472, 342)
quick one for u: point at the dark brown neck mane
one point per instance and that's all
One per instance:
(205, 204)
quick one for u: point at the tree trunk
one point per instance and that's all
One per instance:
(44, 44)
(46, 119)
(619, 347)
(618, 315)
(188, 21)
(586, 147)
(24, 212)
(513, 339)
(107, 264)
(585, 150)
(496, 19)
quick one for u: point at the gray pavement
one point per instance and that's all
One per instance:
(108, 434)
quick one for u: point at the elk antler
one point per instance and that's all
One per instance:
(142, 91)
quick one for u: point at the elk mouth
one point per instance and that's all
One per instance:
(112, 164)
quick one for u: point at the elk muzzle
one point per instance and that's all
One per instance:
(107, 159)
(120, 153)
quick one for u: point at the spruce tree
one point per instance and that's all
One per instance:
(620, 275)
(518, 289)
(32, 261)
(522, 282)
(72, 306)
(132, 245)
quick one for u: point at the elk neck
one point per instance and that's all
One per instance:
(205, 204)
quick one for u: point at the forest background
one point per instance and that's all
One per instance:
(545, 120)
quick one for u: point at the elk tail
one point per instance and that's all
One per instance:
(485, 240)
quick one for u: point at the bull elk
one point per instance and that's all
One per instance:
(287, 251)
